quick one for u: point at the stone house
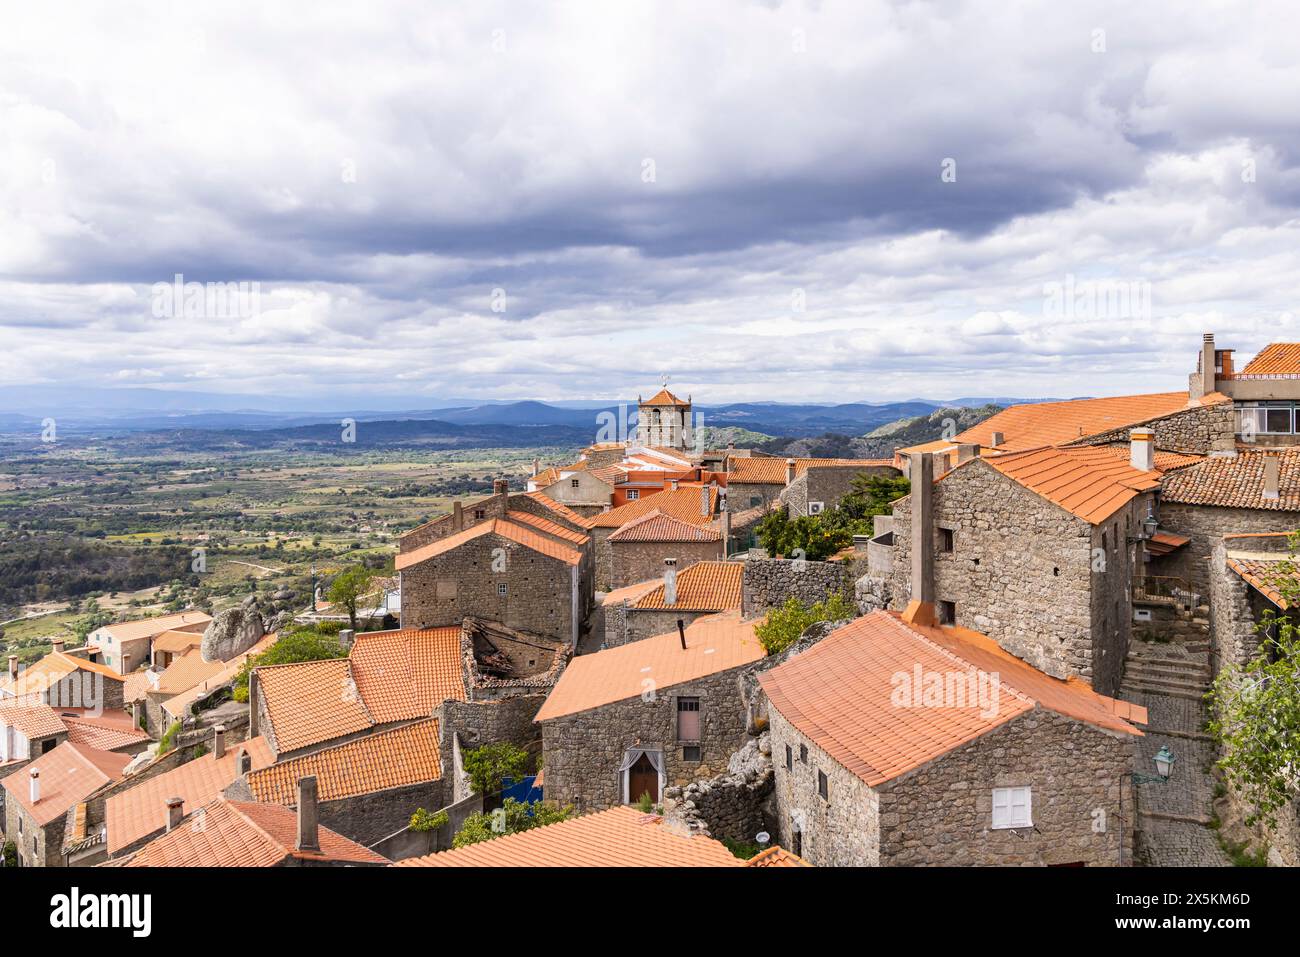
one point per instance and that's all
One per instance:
(127, 645)
(170, 645)
(694, 505)
(73, 680)
(1264, 394)
(635, 719)
(1038, 550)
(665, 421)
(654, 607)
(579, 489)
(763, 481)
(532, 575)
(38, 798)
(896, 744)
(641, 548)
(494, 506)
(1250, 575)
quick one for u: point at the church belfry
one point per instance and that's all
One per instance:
(664, 421)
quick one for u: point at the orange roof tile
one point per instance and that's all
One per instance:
(1236, 482)
(1036, 424)
(1269, 578)
(705, 586)
(148, 627)
(629, 593)
(554, 529)
(107, 731)
(764, 470)
(511, 531)
(42, 674)
(1276, 360)
(663, 397)
(655, 526)
(178, 642)
(842, 694)
(618, 837)
(68, 774)
(185, 672)
(245, 834)
(140, 810)
(686, 504)
(558, 508)
(713, 644)
(386, 759)
(776, 856)
(1164, 461)
(31, 718)
(178, 705)
(1087, 481)
(311, 701)
(407, 673)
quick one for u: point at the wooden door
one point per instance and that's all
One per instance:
(642, 778)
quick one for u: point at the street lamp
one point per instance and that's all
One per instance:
(1164, 760)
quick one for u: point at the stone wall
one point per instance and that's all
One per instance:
(769, 582)
(632, 562)
(367, 818)
(827, 484)
(735, 805)
(1206, 525)
(1201, 429)
(591, 492)
(646, 623)
(1235, 608)
(742, 496)
(583, 751)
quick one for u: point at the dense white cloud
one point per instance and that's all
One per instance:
(437, 202)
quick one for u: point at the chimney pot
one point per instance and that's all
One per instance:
(57, 645)
(681, 632)
(13, 666)
(1272, 469)
(175, 811)
(500, 487)
(1142, 449)
(35, 775)
(219, 741)
(308, 820)
(346, 637)
(996, 439)
(245, 762)
(704, 500)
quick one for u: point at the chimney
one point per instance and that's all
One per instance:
(175, 811)
(35, 776)
(789, 471)
(245, 762)
(346, 637)
(500, 487)
(681, 632)
(219, 741)
(537, 466)
(1271, 469)
(13, 667)
(57, 645)
(967, 451)
(996, 439)
(1208, 378)
(253, 694)
(136, 707)
(920, 610)
(1142, 449)
(704, 500)
(457, 516)
(731, 445)
(726, 534)
(308, 837)
(126, 662)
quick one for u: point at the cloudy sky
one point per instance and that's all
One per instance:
(801, 201)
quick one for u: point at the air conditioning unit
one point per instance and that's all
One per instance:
(816, 508)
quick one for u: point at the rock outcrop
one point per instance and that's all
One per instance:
(733, 805)
(233, 632)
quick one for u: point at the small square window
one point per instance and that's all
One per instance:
(947, 613)
(1012, 808)
(480, 514)
(945, 540)
(502, 589)
(803, 754)
(573, 483)
(691, 752)
(755, 500)
(823, 786)
(633, 494)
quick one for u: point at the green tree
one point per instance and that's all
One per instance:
(348, 588)
(303, 644)
(486, 766)
(784, 625)
(511, 818)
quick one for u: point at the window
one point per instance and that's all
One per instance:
(688, 719)
(789, 758)
(480, 514)
(573, 483)
(947, 613)
(691, 752)
(803, 754)
(945, 540)
(796, 840)
(1011, 808)
(502, 589)
(823, 786)
(1272, 418)
(755, 500)
(633, 494)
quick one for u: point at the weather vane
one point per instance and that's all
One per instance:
(664, 379)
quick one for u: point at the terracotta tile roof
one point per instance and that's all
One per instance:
(776, 856)
(140, 810)
(655, 526)
(841, 694)
(377, 762)
(705, 586)
(1236, 482)
(44, 673)
(547, 476)
(618, 837)
(179, 704)
(1055, 423)
(559, 509)
(245, 834)
(1088, 482)
(136, 687)
(187, 671)
(178, 642)
(663, 397)
(32, 719)
(407, 673)
(1278, 359)
(554, 529)
(108, 731)
(311, 702)
(629, 593)
(1164, 461)
(67, 775)
(148, 627)
(713, 644)
(519, 534)
(1162, 543)
(1269, 577)
(765, 470)
(683, 503)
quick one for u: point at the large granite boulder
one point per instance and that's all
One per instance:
(233, 632)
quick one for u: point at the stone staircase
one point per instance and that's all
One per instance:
(1174, 670)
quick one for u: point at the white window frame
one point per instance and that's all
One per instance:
(1009, 812)
(633, 494)
(503, 590)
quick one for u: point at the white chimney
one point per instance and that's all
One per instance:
(1142, 449)
(35, 775)
(789, 471)
(1271, 470)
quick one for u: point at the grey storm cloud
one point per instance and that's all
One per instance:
(564, 201)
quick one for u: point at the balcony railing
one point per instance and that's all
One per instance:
(1163, 589)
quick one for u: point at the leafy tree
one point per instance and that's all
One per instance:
(303, 644)
(511, 818)
(348, 588)
(817, 537)
(784, 625)
(486, 766)
(1255, 711)
(423, 820)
